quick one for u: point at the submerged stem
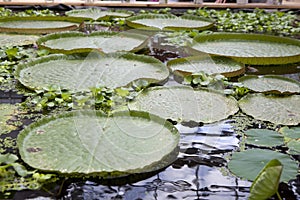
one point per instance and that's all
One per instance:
(278, 195)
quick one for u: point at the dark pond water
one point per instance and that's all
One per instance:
(199, 172)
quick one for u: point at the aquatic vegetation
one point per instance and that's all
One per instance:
(258, 21)
(64, 139)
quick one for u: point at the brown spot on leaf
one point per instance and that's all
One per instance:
(40, 132)
(33, 149)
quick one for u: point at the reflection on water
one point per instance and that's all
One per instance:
(198, 173)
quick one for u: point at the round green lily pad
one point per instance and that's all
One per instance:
(247, 164)
(249, 48)
(108, 42)
(38, 25)
(180, 103)
(81, 73)
(263, 137)
(278, 110)
(17, 39)
(88, 142)
(168, 22)
(98, 14)
(207, 64)
(270, 83)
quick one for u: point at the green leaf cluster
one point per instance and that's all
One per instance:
(15, 176)
(205, 80)
(99, 98)
(258, 21)
(4, 12)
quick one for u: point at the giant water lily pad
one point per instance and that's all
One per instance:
(263, 137)
(249, 48)
(38, 25)
(270, 83)
(247, 164)
(181, 103)
(81, 73)
(89, 142)
(17, 40)
(108, 42)
(168, 22)
(278, 110)
(209, 65)
(97, 14)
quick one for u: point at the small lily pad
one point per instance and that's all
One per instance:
(247, 164)
(270, 83)
(108, 42)
(168, 22)
(294, 147)
(89, 142)
(81, 73)
(207, 64)
(263, 137)
(291, 139)
(180, 103)
(290, 132)
(275, 109)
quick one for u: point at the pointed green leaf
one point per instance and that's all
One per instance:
(8, 158)
(266, 183)
(20, 169)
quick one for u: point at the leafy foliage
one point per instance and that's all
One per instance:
(4, 12)
(259, 21)
(15, 176)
